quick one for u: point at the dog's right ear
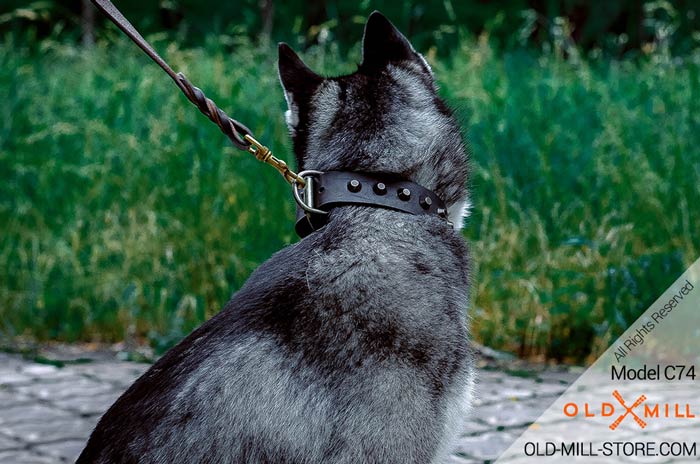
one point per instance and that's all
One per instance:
(298, 81)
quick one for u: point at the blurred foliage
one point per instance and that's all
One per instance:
(124, 214)
(616, 28)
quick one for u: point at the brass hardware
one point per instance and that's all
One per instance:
(262, 153)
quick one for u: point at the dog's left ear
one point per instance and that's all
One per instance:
(295, 76)
(382, 44)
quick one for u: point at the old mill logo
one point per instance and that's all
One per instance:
(640, 410)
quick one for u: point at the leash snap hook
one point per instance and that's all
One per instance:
(306, 203)
(262, 153)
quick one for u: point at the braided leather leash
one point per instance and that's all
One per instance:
(330, 189)
(238, 133)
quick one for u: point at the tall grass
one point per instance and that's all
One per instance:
(125, 214)
(586, 191)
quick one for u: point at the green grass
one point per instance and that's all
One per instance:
(124, 213)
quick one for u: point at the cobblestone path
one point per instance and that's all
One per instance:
(47, 412)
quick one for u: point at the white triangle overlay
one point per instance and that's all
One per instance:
(588, 423)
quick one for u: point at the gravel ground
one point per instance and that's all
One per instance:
(50, 401)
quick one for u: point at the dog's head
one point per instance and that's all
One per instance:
(384, 118)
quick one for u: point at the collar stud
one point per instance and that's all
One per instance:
(354, 185)
(379, 188)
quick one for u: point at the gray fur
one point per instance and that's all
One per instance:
(349, 346)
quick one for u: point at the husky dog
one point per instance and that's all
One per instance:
(350, 346)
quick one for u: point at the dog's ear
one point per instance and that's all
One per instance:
(382, 44)
(298, 81)
(295, 76)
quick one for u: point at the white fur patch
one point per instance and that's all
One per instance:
(292, 114)
(458, 212)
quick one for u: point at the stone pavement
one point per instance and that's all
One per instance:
(47, 412)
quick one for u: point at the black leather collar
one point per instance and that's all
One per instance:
(326, 190)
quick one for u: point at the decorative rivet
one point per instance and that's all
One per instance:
(379, 188)
(426, 202)
(404, 194)
(354, 186)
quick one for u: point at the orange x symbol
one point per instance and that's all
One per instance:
(628, 410)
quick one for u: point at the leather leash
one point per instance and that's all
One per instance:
(238, 133)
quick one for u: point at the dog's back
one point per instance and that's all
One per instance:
(351, 345)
